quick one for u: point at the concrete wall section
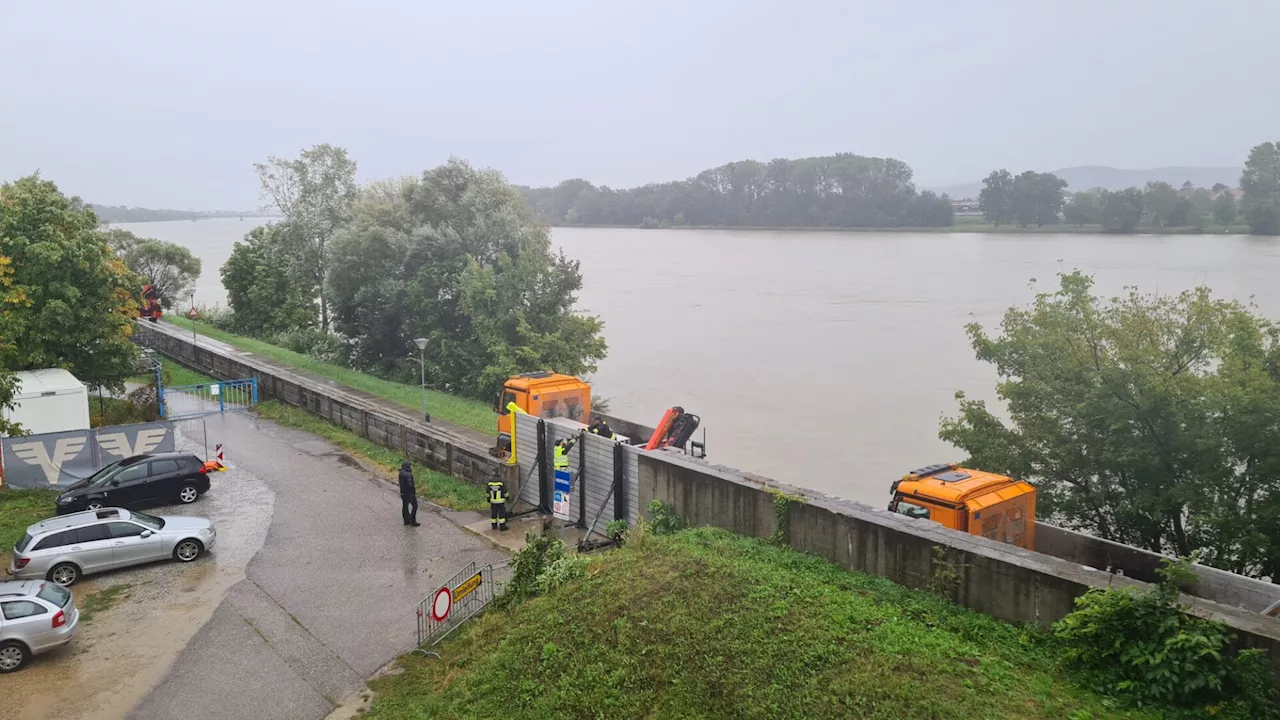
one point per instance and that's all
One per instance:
(704, 495)
(449, 449)
(1217, 585)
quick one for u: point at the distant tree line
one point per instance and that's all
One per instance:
(122, 214)
(352, 275)
(1039, 199)
(842, 190)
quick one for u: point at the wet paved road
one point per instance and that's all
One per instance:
(326, 601)
(311, 588)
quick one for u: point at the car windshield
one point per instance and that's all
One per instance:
(97, 477)
(22, 544)
(54, 593)
(150, 521)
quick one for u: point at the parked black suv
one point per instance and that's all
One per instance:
(137, 482)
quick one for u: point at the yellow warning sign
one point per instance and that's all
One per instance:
(466, 588)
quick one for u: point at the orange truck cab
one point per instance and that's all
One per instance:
(542, 394)
(973, 501)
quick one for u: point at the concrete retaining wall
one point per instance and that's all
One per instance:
(449, 449)
(1217, 585)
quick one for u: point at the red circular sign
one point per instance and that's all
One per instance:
(441, 604)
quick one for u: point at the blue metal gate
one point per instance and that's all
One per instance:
(216, 397)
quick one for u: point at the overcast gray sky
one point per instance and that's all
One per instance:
(167, 104)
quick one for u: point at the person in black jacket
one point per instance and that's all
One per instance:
(408, 495)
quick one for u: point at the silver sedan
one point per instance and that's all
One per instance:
(64, 548)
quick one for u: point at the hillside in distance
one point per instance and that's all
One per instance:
(123, 214)
(1085, 177)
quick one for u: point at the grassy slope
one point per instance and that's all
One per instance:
(450, 408)
(706, 624)
(438, 487)
(18, 509)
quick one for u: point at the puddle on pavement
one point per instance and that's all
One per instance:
(124, 651)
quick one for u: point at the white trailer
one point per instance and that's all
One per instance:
(49, 401)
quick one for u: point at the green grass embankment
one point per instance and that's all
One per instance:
(437, 487)
(450, 408)
(20, 508)
(706, 624)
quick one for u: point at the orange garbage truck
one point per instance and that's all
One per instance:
(994, 506)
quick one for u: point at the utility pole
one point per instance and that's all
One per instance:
(422, 366)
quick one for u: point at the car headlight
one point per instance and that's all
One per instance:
(62, 500)
(206, 531)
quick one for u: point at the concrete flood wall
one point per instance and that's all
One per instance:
(1212, 583)
(444, 448)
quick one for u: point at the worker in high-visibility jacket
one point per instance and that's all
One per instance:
(497, 504)
(560, 454)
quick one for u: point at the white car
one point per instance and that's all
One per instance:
(67, 547)
(35, 617)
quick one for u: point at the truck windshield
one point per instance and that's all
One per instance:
(912, 510)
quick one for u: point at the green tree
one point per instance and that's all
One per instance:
(10, 299)
(268, 289)
(460, 259)
(997, 198)
(71, 302)
(314, 193)
(169, 268)
(1148, 420)
(1224, 208)
(1084, 208)
(1161, 203)
(1120, 211)
(1261, 185)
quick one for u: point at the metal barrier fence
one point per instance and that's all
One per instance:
(206, 399)
(464, 595)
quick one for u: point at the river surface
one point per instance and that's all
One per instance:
(825, 360)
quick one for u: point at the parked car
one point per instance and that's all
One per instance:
(64, 548)
(35, 617)
(139, 481)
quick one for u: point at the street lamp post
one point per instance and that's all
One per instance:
(422, 366)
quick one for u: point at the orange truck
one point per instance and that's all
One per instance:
(542, 394)
(973, 501)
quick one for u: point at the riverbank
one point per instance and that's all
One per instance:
(962, 225)
(708, 624)
(458, 410)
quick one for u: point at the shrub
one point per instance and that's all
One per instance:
(663, 519)
(615, 529)
(1142, 646)
(542, 566)
(314, 343)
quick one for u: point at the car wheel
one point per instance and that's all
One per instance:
(65, 574)
(93, 505)
(13, 655)
(187, 550)
(188, 494)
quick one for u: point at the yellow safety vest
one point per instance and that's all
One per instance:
(497, 492)
(560, 459)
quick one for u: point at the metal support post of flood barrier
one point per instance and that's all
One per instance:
(619, 476)
(582, 483)
(544, 477)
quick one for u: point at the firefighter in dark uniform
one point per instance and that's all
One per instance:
(600, 427)
(497, 504)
